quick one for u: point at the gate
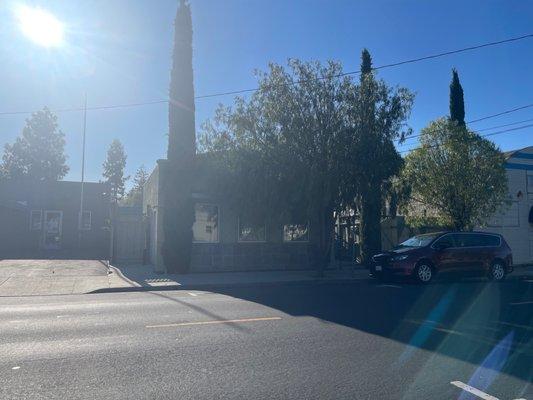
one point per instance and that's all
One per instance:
(129, 236)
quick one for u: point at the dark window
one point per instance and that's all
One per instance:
(464, 240)
(476, 240)
(445, 241)
(490, 240)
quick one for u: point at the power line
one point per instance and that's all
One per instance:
(502, 113)
(233, 92)
(447, 53)
(395, 64)
(502, 126)
(488, 117)
(488, 134)
(109, 107)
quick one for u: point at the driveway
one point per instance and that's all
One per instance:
(43, 277)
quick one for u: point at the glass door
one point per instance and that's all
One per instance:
(53, 221)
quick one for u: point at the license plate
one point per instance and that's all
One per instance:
(378, 268)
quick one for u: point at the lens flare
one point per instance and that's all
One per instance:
(40, 26)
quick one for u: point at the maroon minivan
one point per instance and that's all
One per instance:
(463, 253)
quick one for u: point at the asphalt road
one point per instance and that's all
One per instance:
(358, 340)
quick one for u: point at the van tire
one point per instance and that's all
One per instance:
(497, 271)
(424, 272)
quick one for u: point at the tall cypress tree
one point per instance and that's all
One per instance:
(457, 102)
(366, 62)
(177, 177)
(378, 159)
(181, 143)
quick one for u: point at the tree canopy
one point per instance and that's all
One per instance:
(114, 166)
(292, 148)
(135, 195)
(456, 179)
(39, 153)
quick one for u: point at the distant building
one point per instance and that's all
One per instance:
(515, 223)
(42, 220)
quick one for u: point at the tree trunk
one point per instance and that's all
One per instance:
(326, 237)
(370, 225)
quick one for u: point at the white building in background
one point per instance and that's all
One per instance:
(516, 222)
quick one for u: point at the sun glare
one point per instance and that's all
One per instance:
(40, 26)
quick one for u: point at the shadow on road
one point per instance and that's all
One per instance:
(482, 323)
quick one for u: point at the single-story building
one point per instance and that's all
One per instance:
(515, 223)
(222, 239)
(42, 220)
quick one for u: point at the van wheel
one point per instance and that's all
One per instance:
(497, 271)
(424, 273)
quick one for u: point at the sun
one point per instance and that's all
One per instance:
(40, 26)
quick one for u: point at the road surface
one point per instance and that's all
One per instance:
(358, 340)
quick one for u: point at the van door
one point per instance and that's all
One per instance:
(445, 257)
(470, 253)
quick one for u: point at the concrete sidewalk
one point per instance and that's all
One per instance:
(53, 277)
(58, 277)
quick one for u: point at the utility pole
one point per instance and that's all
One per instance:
(80, 218)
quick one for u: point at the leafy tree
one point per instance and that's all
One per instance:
(39, 152)
(177, 198)
(135, 195)
(456, 178)
(292, 148)
(457, 102)
(114, 170)
(377, 114)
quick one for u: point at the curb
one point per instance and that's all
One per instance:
(106, 264)
(119, 273)
(209, 286)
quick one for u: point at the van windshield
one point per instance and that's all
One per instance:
(418, 241)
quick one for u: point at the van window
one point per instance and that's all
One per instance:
(490, 240)
(476, 240)
(445, 241)
(467, 240)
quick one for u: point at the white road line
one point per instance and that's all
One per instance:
(192, 294)
(15, 368)
(223, 321)
(521, 303)
(473, 390)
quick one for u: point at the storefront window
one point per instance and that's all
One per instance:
(296, 233)
(251, 232)
(205, 228)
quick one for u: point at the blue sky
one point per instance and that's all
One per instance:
(118, 51)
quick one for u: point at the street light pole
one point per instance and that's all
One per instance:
(80, 218)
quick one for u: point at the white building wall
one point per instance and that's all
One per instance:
(513, 222)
